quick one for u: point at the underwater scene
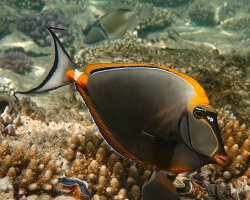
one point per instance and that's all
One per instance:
(124, 100)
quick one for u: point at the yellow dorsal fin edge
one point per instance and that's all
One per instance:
(201, 97)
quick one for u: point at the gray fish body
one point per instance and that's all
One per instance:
(112, 25)
(144, 117)
(117, 22)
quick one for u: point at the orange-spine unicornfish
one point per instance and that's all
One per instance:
(148, 113)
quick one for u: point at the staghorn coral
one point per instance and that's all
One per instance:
(16, 61)
(35, 25)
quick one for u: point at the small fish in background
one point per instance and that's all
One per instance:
(78, 187)
(114, 24)
(102, 3)
(147, 113)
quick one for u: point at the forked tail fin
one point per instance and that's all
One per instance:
(57, 75)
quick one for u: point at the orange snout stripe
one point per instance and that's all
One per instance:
(82, 80)
(70, 74)
(221, 160)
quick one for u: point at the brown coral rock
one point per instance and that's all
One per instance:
(237, 144)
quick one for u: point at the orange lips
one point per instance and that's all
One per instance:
(221, 160)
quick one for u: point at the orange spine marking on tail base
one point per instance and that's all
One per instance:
(77, 76)
(82, 80)
(70, 74)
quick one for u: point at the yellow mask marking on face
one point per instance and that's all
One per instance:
(213, 152)
(191, 106)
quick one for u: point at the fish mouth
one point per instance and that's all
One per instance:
(221, 160)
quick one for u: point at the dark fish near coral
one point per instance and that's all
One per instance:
(71, 182)
(149, 113)
(111, 25)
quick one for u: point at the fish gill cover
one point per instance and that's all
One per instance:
(43, 138)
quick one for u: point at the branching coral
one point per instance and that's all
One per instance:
(26, 171)
(16, 61)
(236, 138)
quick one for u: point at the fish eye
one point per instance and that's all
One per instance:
(198, 113)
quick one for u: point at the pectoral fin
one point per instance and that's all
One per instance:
(159, 187)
